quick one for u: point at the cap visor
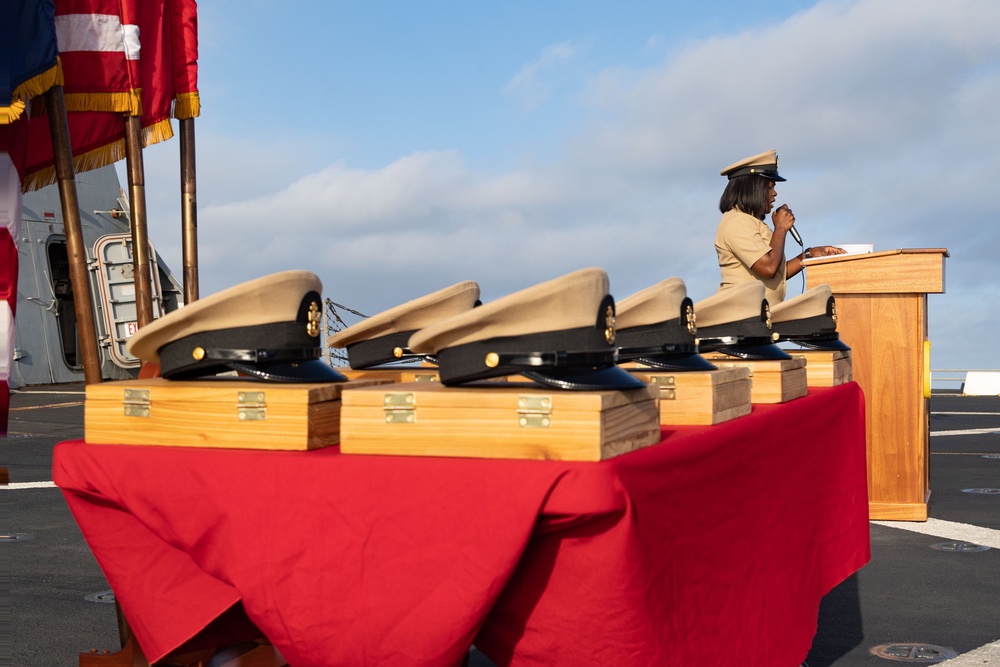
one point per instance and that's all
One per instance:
(832, 344)
(313, 370)
(755, 352)
(611, 377)
(687, 362)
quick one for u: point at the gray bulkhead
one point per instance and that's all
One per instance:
(46, 345)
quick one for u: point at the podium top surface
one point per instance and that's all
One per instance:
(903, 270)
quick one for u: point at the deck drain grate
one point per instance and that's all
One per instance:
(107, 597)
(981, 491)
(959, 546)
(16, 537)
(917, 653)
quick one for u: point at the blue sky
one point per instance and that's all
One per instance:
(398, 148)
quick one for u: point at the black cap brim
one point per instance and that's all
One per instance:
(768, 352)
(313, 370)
(831, 344)
(578, 379)
(686, 362)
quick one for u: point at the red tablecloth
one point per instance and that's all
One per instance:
(713, 547)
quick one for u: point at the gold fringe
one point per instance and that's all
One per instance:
(128, 103)
(99, 157)
(33, 87)
(187, 105)
(11, 113)
(157, 132)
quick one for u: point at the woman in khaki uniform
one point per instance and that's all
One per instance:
(747, 248)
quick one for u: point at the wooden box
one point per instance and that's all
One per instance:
(407, 374)
(699, 398)
(392, 374)
(826, 368)
(777, 381)
(220, 413)
(490, 420)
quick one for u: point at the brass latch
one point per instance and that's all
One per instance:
(136, 402)
(250, 406)
(534, 411)
(667, 385)
(400, 408)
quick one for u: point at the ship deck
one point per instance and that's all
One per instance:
(928, 593)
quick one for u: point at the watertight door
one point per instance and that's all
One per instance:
(116, 293)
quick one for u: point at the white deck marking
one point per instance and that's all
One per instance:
(29, 485)
(969, 414)
(949, 530)
(968, 431)
(988, 654)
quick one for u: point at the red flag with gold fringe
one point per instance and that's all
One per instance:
(118, 57)
(100, 49)
(184, 47)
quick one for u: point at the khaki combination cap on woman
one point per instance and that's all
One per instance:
(560, 333)
(267, 329)
(657, 326)
(737, 321)
(384, 338)
(765, 164)
(809, 320)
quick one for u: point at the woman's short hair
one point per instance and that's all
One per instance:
(748, 193)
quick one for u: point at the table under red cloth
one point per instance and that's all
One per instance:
(713, 547)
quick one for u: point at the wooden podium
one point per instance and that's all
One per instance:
(882, 315)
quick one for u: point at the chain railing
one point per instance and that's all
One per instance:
(332, 323)
(940, 375)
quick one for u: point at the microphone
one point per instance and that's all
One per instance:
(795, 234)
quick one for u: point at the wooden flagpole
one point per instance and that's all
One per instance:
(140, 236)
(189, 211)
(75, 248)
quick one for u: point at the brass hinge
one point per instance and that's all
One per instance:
(251, 406)
(400, 408)
(534, 411)
(136, 402)
(667, 385)
(425, 377)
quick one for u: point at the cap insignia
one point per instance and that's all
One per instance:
(767, 315)
(609, 325)
(314, 315)
(692, 326)
(833, 311)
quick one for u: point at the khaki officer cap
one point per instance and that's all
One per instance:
(765, 164)
(809, 319)
(560, 333)
(737, 321)
(267, 328)
(657, 327)
(384, 337)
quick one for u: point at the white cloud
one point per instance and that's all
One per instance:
(532, 84)
(883, 113)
